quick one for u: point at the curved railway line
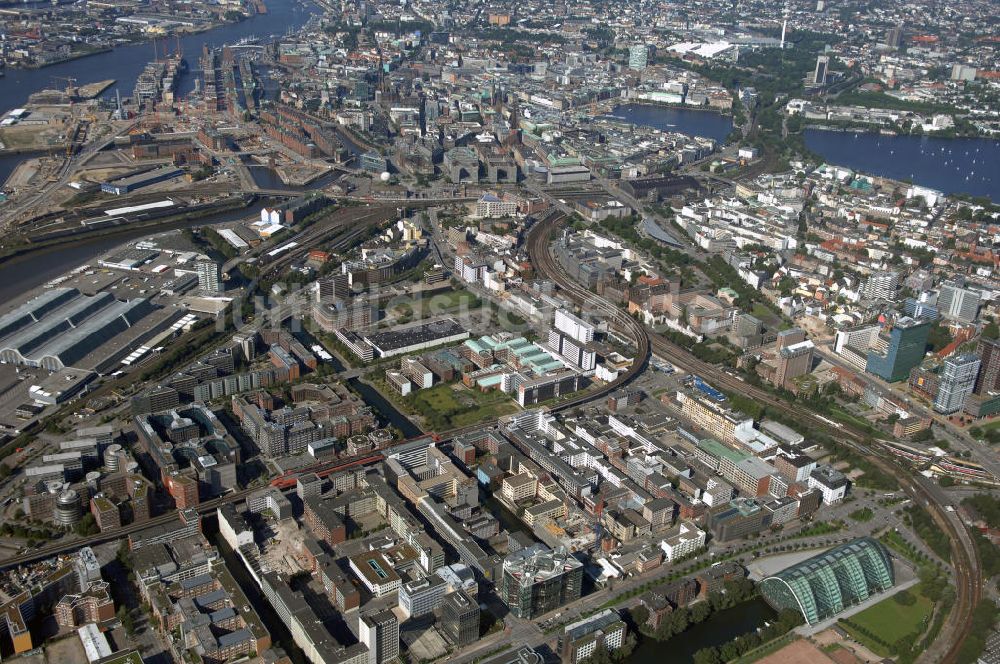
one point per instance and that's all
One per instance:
(965, 556)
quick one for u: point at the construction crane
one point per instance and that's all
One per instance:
(70, 84)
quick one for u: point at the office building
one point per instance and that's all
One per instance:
(830, 482)
(573, 326)
(376, 572)
(90, 606)
(823, 586)
(793, 361)
(380, 632)
(901, 351)
(715, 418)
(543, 388)
(537, 580)
(682, 540)
(580, 639)
(741, 518)
(957, 303)
(421, 596)
(822, 66)
(208, 277)
(460, 618)
(957, 380)
(989, 366)
(638, 56)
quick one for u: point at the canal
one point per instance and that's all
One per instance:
(718, 629)
(385, 409)
(506, 518)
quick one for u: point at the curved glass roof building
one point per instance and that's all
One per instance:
(824, 585)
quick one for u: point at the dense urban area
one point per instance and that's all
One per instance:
(582, 331)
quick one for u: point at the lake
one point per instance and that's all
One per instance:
(682, 120)
(951, 165)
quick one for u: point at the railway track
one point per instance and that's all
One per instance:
(965, 556)
(538, 241)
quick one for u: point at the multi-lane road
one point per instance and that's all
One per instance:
(965, 557)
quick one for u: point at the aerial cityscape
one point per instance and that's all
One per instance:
(425, 332)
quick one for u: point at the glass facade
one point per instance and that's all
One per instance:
(824, 585)
(905, 349)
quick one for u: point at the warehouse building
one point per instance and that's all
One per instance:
(402, 341)
(64, 328)
(138, 181)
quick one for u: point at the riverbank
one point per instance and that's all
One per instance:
(30, 269)
(68, 58)
(679, 107)
(191, 30)
(125, 63)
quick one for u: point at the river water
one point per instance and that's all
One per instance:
(126, 63)
(22, 273)
(682, 120)
(951, 165)
(123, 64)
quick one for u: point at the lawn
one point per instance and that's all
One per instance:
(890, 621)
(436, 304)
(447, 406)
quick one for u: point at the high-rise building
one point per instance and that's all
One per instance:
(881, 286)
(914, 308)
(957, 303)
(460, 618)
(380, 632)
(208, 276)
(793, 361)
(333, 289)
(894, 38)
(790, 337)
(989, 366)
(537, 580)
(573, 326)
(822, 65)
(638, 56)
(958, 378)
(903, 350)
